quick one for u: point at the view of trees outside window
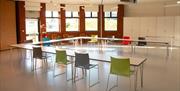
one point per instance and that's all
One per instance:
(52, 21)
(91, 21)
(72, 24)
(52, 25)
(111, 21)
(72, 21)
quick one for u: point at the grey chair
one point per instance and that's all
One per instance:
(82, 61)
(38, 54)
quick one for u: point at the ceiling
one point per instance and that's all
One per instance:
(96, 1)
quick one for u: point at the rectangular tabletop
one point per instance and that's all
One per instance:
(95, 53)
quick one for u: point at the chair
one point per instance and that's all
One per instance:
(28, 41)
(93, 39)
(119, 67)
(82, 61)
(46, 39)
(61, 58)
(141, 43)
(37, 54)
(126, 40)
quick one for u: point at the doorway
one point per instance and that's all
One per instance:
(32, 29)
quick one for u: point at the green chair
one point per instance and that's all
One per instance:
(61, 58)
(119, 67)
(93, 39)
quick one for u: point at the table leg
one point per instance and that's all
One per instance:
(32, 60)
(132, 48)
(141, 69)
(135, 80)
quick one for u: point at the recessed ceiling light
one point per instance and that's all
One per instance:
(178, 2)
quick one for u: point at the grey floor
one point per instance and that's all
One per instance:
(161, 73)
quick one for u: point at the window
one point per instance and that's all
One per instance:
(91, 21)
(111, 21)
(68, 14)
(52, 25)
(32, 29)
(72, 21)
(52, 21)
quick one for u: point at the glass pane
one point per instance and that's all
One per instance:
(91, 24)
(94, 14)
(31, 26)
(52, 24)
(107, 14)
(68, 13)
(114, 14)
(32, 29)
(72, 24)
(87, 14)
(48, 14)
(55, 14)
(110, 24)
(75, 14)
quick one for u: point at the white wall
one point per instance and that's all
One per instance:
(166, 28)
(151, 9)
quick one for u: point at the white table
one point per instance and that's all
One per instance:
(133, 42)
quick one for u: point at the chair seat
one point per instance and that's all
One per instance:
(92, 41)
(68, 62)
(89, 66)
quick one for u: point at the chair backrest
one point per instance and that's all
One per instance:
(140, 43)
(120, 66)
(37, 52)
(61, 57)
(94, 38)
(126, 42)
(81, 59)
(28, 41)
(46, 39)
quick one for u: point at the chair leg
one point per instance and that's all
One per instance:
(67, 75)
(108, 82)
(129, 83)
(75, 75)
(35, 64)
(46, 63)
(72, 72)
(43, 60)
(91, 85)
(98, 74)
(114, 85)
(83, 72)
(32, 64)
(54, 69)
(135, 80)
(60, 73)
(89, 78)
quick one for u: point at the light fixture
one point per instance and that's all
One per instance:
(178, 2)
